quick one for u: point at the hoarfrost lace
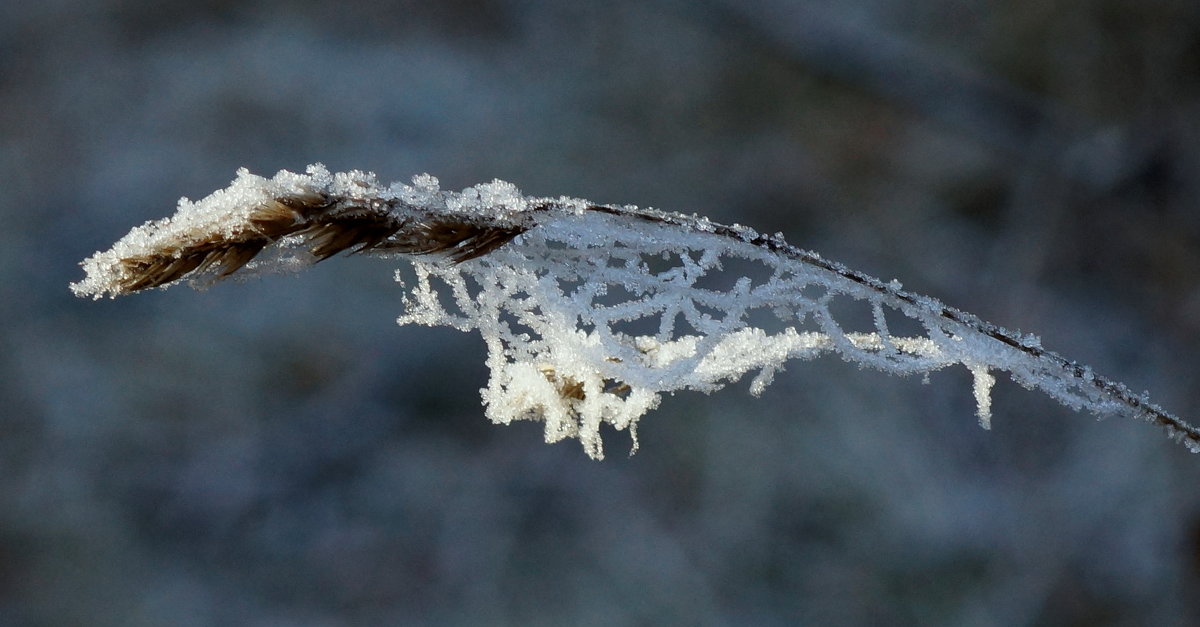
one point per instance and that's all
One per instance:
(591, 312)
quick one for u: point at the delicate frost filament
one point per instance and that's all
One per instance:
(591, 312)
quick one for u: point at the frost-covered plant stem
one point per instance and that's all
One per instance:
(591, 312)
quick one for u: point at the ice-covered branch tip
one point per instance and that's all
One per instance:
(591, 312)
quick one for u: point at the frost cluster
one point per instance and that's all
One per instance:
(588, 319)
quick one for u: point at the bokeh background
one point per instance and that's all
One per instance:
(279, 452)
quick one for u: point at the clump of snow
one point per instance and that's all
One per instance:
(982, 382)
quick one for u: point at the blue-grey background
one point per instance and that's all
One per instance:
(279, 452)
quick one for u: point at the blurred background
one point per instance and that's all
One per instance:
(280, 452)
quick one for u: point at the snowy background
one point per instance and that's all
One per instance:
(279, 452)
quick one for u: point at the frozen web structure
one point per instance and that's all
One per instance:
(590, 313)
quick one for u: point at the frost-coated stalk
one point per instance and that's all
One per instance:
(591, 312)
